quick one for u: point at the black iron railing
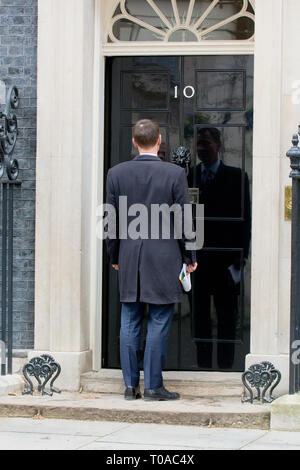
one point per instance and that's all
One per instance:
(294, 155)
(8, 165)
(7, 189)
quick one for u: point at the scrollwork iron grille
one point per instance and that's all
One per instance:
(8, 135)
(162, 24)
(262, 377)
(8, 139)
(44, 369)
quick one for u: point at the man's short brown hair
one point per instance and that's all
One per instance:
(214, 133)
(146, 133)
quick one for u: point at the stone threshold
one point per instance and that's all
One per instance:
(210, 412)
(194, 384)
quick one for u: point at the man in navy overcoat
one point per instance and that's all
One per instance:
(148, 266)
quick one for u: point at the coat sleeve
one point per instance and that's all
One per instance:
(181, 197)
(112, 228)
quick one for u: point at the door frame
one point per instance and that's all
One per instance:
(115, 68)
(179, 48)
(101, 51)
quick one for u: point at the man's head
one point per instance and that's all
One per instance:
(146, 136)
(208, 145)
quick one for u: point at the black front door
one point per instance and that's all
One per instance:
(204, 104)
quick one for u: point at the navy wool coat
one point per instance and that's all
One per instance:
(148, 267)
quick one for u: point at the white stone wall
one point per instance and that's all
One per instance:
(70, 181)
(64, 181)
(276, 118)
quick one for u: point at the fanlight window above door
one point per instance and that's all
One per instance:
(182, 20)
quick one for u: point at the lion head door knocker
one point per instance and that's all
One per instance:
(8, 135)
(182, 156)
(43, 369)
(261, 377)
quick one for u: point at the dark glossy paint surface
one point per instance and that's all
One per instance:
(205, 104)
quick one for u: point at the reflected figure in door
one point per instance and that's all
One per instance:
(224, 191)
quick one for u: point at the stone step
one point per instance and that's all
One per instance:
(192, 384)
(211, 412)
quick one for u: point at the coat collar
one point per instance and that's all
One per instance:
(147, 157)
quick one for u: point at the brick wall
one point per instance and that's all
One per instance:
(18, 66)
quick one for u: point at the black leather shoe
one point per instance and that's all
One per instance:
(132, 393)
(159, 394)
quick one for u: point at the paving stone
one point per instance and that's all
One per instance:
(192, 437)
(47, 434)
(277, 440)
(95, 429)
(21, 441)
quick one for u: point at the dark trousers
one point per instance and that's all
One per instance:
(159, 323)
(226, 305)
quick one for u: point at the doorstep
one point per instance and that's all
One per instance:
(210, 412)
(192, 384)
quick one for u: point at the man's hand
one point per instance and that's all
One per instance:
(116, 267)
(190, 268)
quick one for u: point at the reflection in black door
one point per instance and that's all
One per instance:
(205, 104)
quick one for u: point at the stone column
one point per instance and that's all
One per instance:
(275, 120)
(64, 190)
